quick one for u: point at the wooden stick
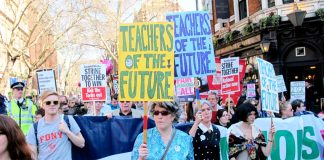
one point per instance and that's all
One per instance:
(229, 104)
(145, 119)
(197, 92)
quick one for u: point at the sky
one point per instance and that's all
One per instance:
(186, 5)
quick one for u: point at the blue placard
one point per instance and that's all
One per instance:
(297, 90)
(194, 52)
(13, 80)
(269, 89)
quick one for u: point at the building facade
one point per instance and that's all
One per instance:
(287, 33)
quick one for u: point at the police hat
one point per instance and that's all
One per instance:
(17, 85)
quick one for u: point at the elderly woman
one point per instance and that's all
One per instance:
(286, 110)
(246, 141)
(164, 141)
(206, 135)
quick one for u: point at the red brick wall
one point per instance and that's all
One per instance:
(254, 6)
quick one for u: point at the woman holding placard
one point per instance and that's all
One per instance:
(246, 141)
(164, 141)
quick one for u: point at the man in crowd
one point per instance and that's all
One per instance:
(72, 105)
(125, 110)
(21, 109)
(213, 100)
(64, 108)
(52, 135)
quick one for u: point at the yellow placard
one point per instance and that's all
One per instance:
(146, 62)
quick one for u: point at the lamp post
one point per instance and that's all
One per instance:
(265, 46)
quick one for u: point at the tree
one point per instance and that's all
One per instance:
(48, 22)
(105, 16)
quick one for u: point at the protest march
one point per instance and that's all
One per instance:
(171, 98)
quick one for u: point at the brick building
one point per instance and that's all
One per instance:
(287, 33)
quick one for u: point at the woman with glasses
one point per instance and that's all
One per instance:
(206, 136)
(246, 141)
(13, 144)
(223, 118)
(163, 141)
(286, 110)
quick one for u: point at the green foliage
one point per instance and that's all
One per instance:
(247, 29)
(320, 13)
(270, 21)
(228, 37)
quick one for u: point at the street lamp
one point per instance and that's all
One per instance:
(265, 46)
(297, 16)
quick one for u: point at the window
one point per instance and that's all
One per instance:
(287, 1)
(271, 3)
(242, 9)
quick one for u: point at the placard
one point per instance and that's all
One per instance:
(281, 84)
(194, 53)
(46, 80)
(268, 83)
(145, 62)
(185, 87)
(230, 75)
(297, 90)
(250, 90)
(93, 82)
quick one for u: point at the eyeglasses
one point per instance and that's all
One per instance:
(51, 102)
(163, 113)
(63, 103)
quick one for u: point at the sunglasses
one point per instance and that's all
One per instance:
(51, 102)
(163, 113)
(63, 103)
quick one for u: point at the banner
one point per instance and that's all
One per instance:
(281, 84)
(194, 53)
(250, 90)
(114, 138)
(297, 90)
(145, 62)
(46, 80)
(93, 82)
(268, 83)
(230, 75)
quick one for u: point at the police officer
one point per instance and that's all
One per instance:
(21, 109)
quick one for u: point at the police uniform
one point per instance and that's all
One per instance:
(21, 110)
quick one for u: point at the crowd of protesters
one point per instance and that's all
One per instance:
(48, 113)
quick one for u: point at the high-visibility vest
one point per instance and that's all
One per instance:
(23, 117)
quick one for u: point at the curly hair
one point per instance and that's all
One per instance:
(173, 107)
(17, 145)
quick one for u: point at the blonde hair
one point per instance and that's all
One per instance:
(47, 94)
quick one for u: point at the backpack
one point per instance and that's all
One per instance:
(66, 119)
